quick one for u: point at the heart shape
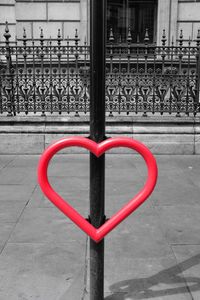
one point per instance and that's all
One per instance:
(97, 234)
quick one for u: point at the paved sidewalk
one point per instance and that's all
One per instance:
(154, 254)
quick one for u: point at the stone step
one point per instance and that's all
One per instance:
(163, 135)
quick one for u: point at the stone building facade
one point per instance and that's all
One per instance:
(48, 15)
(68, 15)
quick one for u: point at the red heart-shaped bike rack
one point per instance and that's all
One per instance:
(97, 234)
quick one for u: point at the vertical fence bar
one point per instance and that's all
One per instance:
(162, 89)
(68, 77)
(59, 73)
(76, 75)
(25, 72)
(8, 74)
(85, 77)
(171, 58)
(154, 82)
(51, 78)
(42, 72)
(145, 89)
(34, 79)
(97, 133)
(1, 98)
(187, 76)
(109, 107)
(17, 77)
(197, 102)
(119, 76)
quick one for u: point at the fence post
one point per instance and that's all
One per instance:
(8, 76)
(77, 74)
(146, 41)
(42, 53)
(25, 72)
(197, 102)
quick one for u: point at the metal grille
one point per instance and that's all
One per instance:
(52, 76)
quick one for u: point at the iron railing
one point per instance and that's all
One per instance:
(52, 76)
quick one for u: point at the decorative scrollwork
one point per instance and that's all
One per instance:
(43, 77)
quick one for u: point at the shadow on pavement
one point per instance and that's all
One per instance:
(150, 287)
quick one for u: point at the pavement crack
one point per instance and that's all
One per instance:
(85, 292)
(29, 198)
(17, 221)
(185, 281)
(8, 163)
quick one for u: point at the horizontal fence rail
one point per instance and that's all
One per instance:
(52, 76)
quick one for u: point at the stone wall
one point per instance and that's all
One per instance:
(66, 15)
(7, 13)
(163, 135)
(176, 15)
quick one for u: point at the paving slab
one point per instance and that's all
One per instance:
(182, 191)
(37, 199)
(64, 184)
(15, 192)
(44, 256)
(46, 225)
(158, 278)
(5, 160)
(138, 254)
(115, 203)
(39, 271)
(140, 264)
(25, 161)
(188, 258)
(124, 180)
(69, 165)
(78, 198)
(20, 175)
(5, 232)
(12, 143)
(69, 176)
(180, 225)
(10, 211)
(177, 178)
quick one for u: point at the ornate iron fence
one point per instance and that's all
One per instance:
(52, 76)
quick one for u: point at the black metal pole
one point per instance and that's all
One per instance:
(97, 134)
